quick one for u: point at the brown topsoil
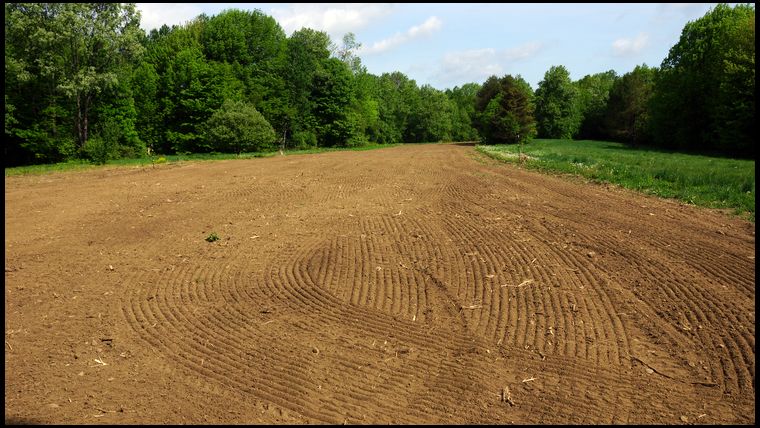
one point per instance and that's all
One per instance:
(413, 284)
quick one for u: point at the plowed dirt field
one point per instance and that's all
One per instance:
(412, 284)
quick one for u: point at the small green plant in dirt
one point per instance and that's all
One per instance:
(212, 237)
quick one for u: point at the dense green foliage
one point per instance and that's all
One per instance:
(504, 111)
(702, 180)
(83, 81)
(627, 118)
(593, 95)
(704, 94)
(238, 127)
(67, 69)
(557, 112)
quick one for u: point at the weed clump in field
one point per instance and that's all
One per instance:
(212, 237)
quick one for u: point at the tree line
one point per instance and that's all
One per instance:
(82, 80)
(701, 98)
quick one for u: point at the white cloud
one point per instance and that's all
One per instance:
(523, 51)
(627, 47)
(430, 26)
(471, 65)
(476, 65)
(154, 15)
(335, 19)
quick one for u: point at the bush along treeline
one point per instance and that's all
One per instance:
(701, 98)
(82, 80)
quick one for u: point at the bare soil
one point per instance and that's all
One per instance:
(413, 284)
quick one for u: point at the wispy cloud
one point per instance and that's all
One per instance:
(430, 26)
(336, 19)
(523, 51)
(630, 46)
(154, 15)
(471, 65)
(476, 65)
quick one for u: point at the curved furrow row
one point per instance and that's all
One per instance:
(212, 349)
(605, 310)
(411, 243)
(605, 328)
(563, 386)
(273, 380)
(722, 262)
(383, 286)
(232, 322)
(603, 292)
(710, 321)
(295, 289)
(618, 335)
(716, 263)
(696, 307)
(691, 308)
(205, 328)
(514, 261)
(540, 249)
(399, 332)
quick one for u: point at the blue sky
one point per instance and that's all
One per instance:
(449, 44)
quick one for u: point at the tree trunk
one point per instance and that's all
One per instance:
(82, 119)
(85, 118)
(80, 134)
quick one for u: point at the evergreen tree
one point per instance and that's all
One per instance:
(504, 111)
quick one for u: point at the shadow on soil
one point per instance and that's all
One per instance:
(15, 420)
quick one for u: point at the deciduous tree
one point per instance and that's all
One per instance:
(704, 93)
(557, 113)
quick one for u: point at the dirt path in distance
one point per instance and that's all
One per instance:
(413, 284)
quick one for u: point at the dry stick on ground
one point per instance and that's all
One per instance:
(522, 284)
(710, 384)
(471, 307)
(506, 396)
